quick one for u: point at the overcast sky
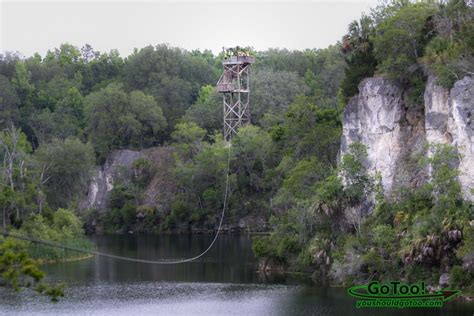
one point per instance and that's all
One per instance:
(37, 26)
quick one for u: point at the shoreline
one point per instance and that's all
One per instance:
(51, 261)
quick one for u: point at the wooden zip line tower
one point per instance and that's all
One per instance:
(234, 86)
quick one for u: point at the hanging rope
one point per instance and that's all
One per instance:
(106, 255)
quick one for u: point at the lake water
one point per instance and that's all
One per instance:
(224, 282)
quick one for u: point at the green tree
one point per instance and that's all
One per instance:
(354, 172)
(18, 270)
(358, 49)
(67, 223)
(172, 75)
(67, 167)
(309, 130)
(301, 181)
(444, 172)
(66, 120)
(272, 92)
(22, 83)
(201, 180)
(8, 103)
(253, 150)
(188, 139)
(450, 54)
(399, 43)
(14, 150)
(207, 110)
(116, 119)
(66, 54)
(400, 40)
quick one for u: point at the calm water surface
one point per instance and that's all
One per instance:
(224, 282)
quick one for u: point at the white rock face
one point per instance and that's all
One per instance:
(395, 135)
(448, 120)
(158, 193)
(103, 180)
(373, 118)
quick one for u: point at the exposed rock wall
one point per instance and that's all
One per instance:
(157, 193)
(448, 120)
(395, 135)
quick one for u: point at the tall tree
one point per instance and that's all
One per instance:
(116, 119)
(67, 167)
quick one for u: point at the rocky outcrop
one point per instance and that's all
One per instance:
(396, 135)
(448, 120)
(103, 179)
(157, 194)
(392, 133)
(118, 165)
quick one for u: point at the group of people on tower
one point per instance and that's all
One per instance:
(235, 51)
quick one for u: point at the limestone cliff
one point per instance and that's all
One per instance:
(157, 193)
(395, 134)
(448, 120)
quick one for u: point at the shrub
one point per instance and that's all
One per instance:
(354, 172)
(384, 237)
(459, 278)
(64, 228)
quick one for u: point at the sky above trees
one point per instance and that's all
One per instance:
(36, 26)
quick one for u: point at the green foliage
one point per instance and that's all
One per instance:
(142, 172)
(173, 76)
(384, 237)
(67, 223)
(9, 101)
(330, 192)
(312, 130)
(419, 231)
(272, 93)
(253, 152)
(400, 40)
(18, 270)
(450, 54)
(63, 226)
(66, 168)
(22, 83)
(361, 65)
(358, 48)
(459, 278)
(116, 119)
(468, 243)
(390, 42)
(443, 161)
(123, 209)
(278, 247)
(260, 247)
(354, 171)
(180, 214)
(17, 187)
(67, 119)
(188, 139)
(322, 70)
(299, 183)
(207, 110)
(200, 173)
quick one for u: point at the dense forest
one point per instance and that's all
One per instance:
(62, 114)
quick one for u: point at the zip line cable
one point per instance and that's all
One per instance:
(106, 255)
